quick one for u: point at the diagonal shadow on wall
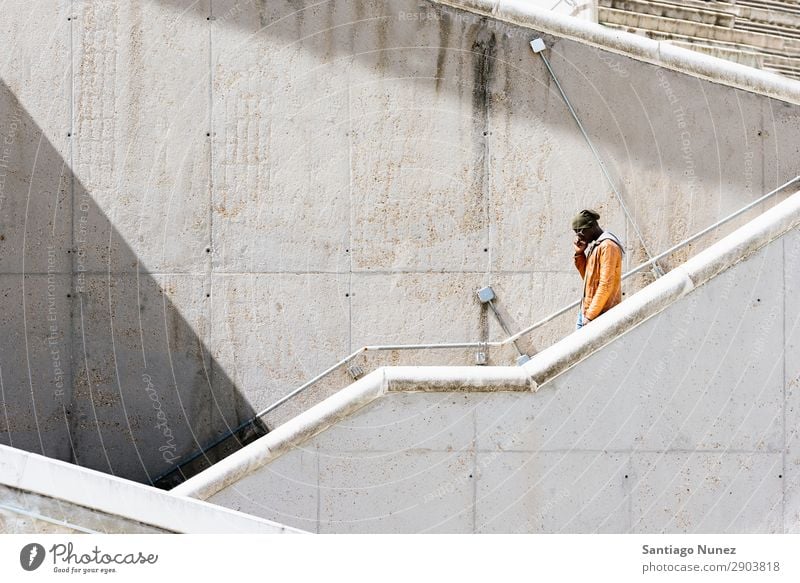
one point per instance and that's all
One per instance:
(262, 79)
(97, 367)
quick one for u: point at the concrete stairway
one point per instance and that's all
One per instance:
(759, 33)
(47, 496)
(676, 412)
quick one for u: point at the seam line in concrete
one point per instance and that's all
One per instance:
(475, 476)
(319, 492)
(219, 273)
(350, 216)
(560, 451)
(783, 387)
(73, 255)
(210, 259)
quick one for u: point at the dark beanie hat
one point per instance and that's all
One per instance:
(584, 219)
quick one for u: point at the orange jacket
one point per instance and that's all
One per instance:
(602, 275)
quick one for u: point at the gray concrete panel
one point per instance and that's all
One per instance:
(35, 63)
(260, 324)
(280, 149)
(403, 421)
(791, 373)
(35, 367)
(706, 492)
(781, 135)
(141, 135)
(406, 491)
(427, 308)
(430, 308)
(564, 492)
(143, 393)
(418, 204)
(594, 413)
(718, 383)
(294, 491)
(35, 197)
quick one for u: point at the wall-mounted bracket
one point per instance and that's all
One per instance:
(486, 295)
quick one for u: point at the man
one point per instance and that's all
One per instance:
(598, 258)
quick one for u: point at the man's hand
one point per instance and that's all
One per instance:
(579, 245)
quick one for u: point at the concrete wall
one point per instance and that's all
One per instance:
(238, 193)
(687, 423)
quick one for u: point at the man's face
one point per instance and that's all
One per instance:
(588, 234)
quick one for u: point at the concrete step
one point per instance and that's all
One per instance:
(695, 30)
(793, 72)
(710, 5)
(709, 12)
(772, 5)
(742, 57)
(773, 62)
(786, 31)
(767, 16)
(663, 36)
(757, 33)
(671, 10)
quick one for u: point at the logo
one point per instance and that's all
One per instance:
(31, 556)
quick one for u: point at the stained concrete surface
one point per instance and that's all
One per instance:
(301, 178)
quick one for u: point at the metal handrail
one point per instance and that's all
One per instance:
(532, 327)
(669, 251)
(457, 345)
